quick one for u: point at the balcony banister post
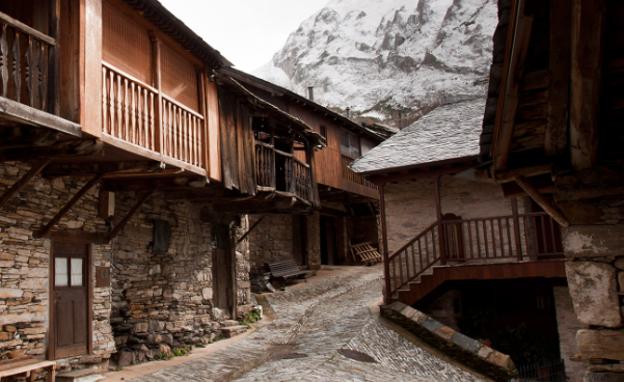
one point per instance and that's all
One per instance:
(516, 223)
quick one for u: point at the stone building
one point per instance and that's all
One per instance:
(481, 259)
(347, 211)
(125, 183)
(552, 128)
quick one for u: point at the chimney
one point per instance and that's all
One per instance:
(311, 93)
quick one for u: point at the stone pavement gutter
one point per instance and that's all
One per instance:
(467, 350)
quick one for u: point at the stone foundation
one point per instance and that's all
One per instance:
(163, 300)
(152, 302)
(567, 325)
(595, 270)
(25, 262)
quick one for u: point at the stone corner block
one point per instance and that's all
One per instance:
(593, 288)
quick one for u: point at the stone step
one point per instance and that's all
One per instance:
(82, 375)
(232, 331)
(227, 323)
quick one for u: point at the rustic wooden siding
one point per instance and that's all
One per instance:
(613, 93)
(237, 145)
(179, 77)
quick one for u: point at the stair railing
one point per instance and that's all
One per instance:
(527, 237)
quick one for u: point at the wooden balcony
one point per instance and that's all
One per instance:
(141, 119)
(484, 243)
(281, 172)
(29, 77)
(356, 181)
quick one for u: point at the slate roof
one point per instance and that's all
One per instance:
(448, 132)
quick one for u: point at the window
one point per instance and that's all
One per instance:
(60, 272)
(324, 132)
(350, 145)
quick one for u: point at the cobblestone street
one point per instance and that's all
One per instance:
(315, 325)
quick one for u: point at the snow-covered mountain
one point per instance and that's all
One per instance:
(390, 59)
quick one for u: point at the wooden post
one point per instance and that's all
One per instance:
(54, 103)
(516, 222)
(91, 110)
(558, 90)
(441, 233)
(384, 242)
(588, 21)
(156, 71)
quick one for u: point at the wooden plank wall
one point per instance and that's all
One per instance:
(237, 144)
(613, 84)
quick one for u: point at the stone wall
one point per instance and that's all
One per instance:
(25, 261)
(271, 240)
(410, 204)
(567, 325)
(164, 300)
(595, 271)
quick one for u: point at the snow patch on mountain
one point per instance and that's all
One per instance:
(394, 59)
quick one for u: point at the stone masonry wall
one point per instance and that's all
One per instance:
(162, 301)
(271, 240)
(567, 325)
(410, 204)
(25, 261)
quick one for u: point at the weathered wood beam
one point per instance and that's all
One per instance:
(517, 45)
(46, 228)
(31, 116)
(556, 137)
(253, 226)
(588, 23)
(539, 198)
(128, 216)
(23, 181)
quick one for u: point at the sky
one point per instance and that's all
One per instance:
(246, 32)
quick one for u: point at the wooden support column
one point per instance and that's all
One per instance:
(91, 47)
(384, 243)
(546, 205)
(441, 235)
(588, 23)
(556, 137)
(128, 216)
(157, 80)
(54, 103)
(516, 229)
(46, 228)
(20, 184)
(518, 39)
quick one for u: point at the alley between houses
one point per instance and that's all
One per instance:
(326, 329)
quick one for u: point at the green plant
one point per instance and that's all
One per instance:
(250, 318)
(179, 352)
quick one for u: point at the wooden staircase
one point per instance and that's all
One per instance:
(505, 247)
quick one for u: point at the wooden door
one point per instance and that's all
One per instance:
(223, 267)
(70, 326)
(329, 240)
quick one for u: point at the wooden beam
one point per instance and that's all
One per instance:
(517, 46)
(20, 184)
(556, 137)
(128, 216)
(538, 198)
(588, 23)
(34, 117)
(46, 228)
(253, 226)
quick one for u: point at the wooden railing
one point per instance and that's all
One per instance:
(132, 113)
(353, 177)
(265, 165)
(533, 236)
(277, 170)
(27, 64)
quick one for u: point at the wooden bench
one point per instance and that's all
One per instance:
(365, 253)
(286, 270)
(26, 366)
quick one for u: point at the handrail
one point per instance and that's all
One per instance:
(129, 76)
(182, 106)
(27, 29)
(520, 237)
